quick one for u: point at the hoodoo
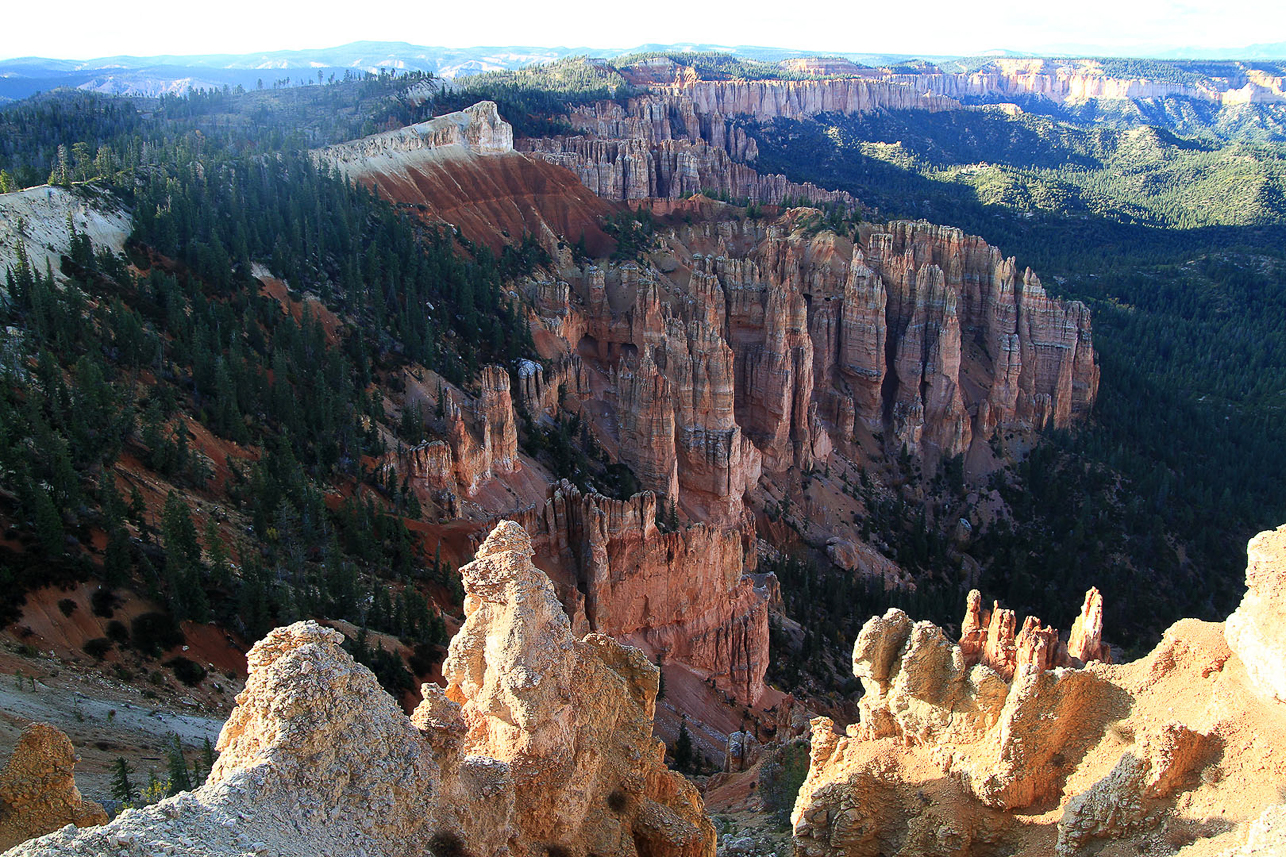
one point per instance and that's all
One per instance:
(953, 739)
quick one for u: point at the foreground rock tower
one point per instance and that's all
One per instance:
(1186, 745)
(541, 744)
(38, 793)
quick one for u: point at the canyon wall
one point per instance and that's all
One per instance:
(765, 100)
(667, 146)
(631, 169)
(481, 439)
(685, 595)
(765, 344)
(541, 743)
(735, 346)
(953, 739)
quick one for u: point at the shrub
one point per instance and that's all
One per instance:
(104, 603)
(67, 606)
(117, 632)
(187, 671)
(98, 647)
(153, 633)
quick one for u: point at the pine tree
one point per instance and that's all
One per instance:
(207, 755)
(683, 750)
(49, 524)
(177, 766)
(220, 571)
(122, 787)
(183, 569)
(117, 558)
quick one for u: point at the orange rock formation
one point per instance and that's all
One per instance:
(38, 792)
(1148, 753)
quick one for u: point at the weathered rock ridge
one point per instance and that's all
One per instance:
(38, 792)
(541, 743)
(765, 100)
(988, 637)
(947, 748)
(478, 128)
(481, 440)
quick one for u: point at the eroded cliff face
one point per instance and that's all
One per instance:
(478, 128)
(38, 791)
(766, 100)
(461, 169)
(684, 595)
(667, 146)
(948, 747)
(749, 347)
(541, 742)
(481, 440)
(1252, 630)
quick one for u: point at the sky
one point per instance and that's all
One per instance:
(83, 29)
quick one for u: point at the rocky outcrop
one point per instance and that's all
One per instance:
(743, 751)
(758, 346)
(571, 719)
(1086, 640)
(541, 743)
(887, 332)
(945, 289)
(478, 128)
(1254, 630)
(988, 637)
(38, 792)
(667, 146)
(477, 447)
(686, 595)
(495, 411)
(947, 749)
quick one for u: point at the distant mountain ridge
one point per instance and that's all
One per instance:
(153, 76)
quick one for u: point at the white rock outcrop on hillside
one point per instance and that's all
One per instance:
(477, 129)
(36, 218)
